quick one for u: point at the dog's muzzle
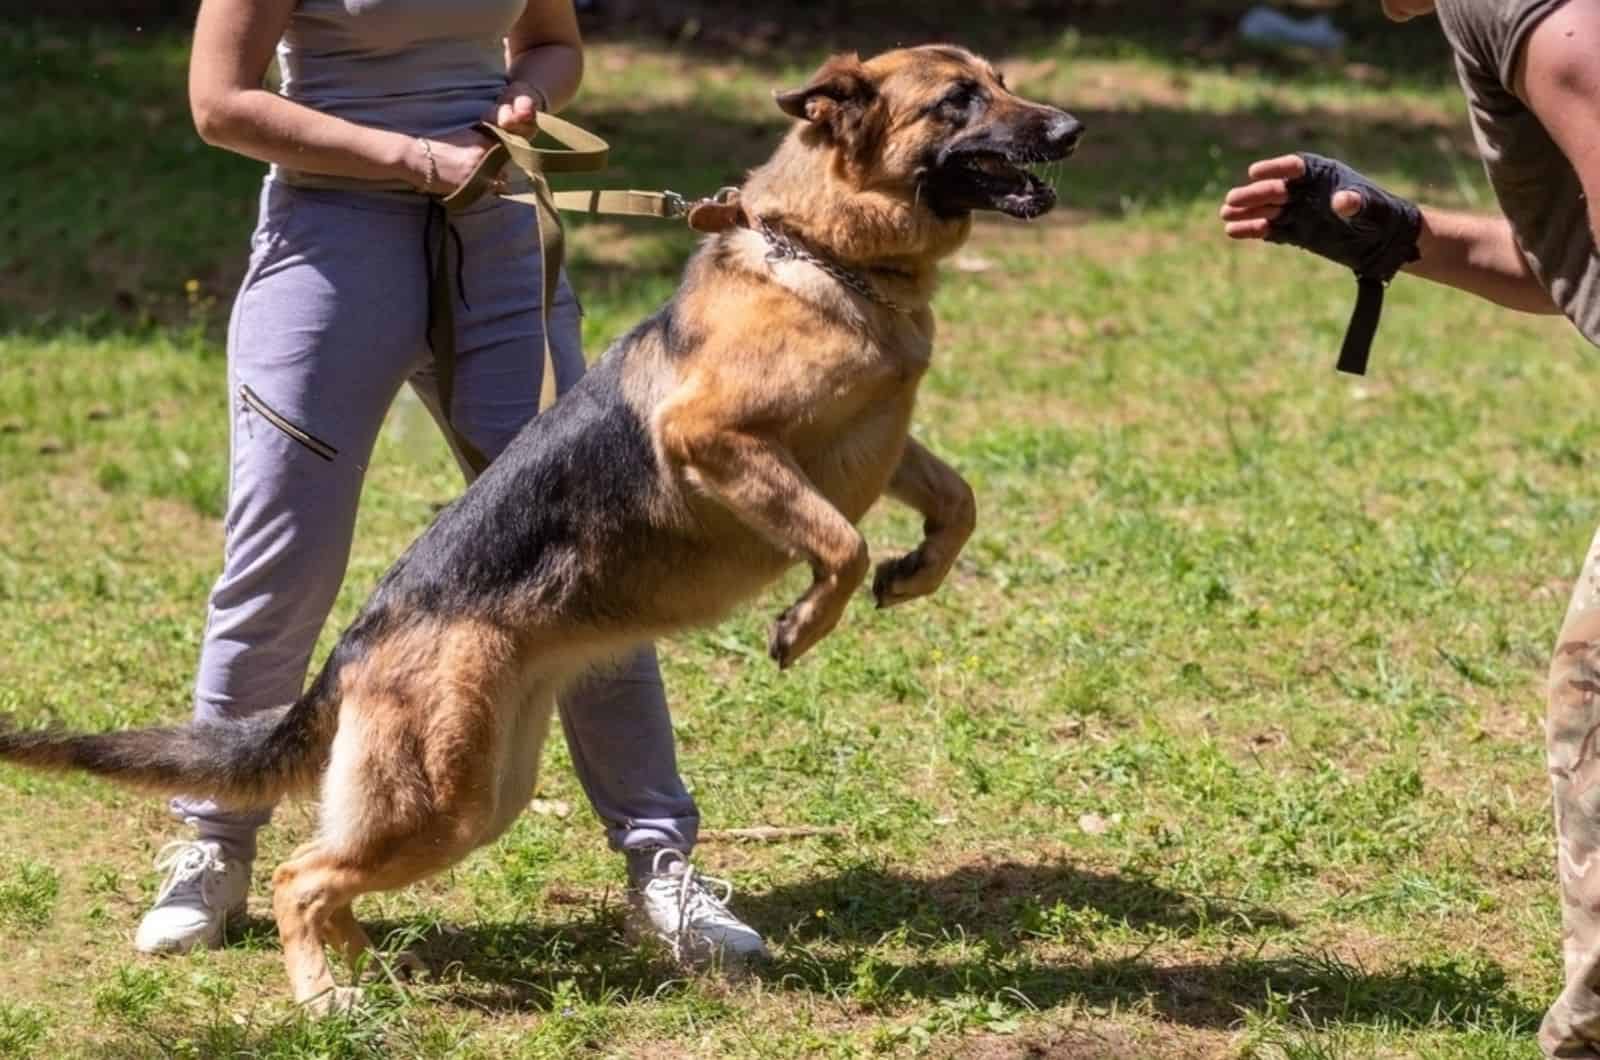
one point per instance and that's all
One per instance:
(991, 171)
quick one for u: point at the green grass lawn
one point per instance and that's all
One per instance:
(1223, 740)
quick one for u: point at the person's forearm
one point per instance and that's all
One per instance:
(1478, 255)
(267, 127)
(233, 44)
(554, 69)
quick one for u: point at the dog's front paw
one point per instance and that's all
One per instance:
(797, 631)
(783, 643)
(904, 578)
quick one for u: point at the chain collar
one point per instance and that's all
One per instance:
(781, 247)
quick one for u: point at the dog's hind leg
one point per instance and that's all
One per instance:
(312, 892)
(355, 946)
(410, 790)
(311, 896)
(308, 892)
(348, 936)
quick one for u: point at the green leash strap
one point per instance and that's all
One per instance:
(581, 151)
(438, 239)
(666, 204)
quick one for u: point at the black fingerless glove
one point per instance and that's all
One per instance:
(1374, 243)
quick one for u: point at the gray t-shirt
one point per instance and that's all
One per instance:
(1538, 189)
(423, 67)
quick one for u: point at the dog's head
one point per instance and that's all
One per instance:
(937, 126)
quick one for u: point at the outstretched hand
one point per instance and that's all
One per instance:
(1249, 209)
(1324, 206)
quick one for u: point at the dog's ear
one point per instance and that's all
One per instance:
(835, 98)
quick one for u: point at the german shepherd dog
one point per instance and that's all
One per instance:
(748, 424)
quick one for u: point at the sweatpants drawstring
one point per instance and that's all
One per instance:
(438, 232)
(437, 214)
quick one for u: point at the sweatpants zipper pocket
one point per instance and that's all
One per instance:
(268, 413)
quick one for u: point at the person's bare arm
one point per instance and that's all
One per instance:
(1558, 77)
(1478, 255)
(233, 44)
(544, 57)
(1473, 254)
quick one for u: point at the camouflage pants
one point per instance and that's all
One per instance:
(1572, 1026)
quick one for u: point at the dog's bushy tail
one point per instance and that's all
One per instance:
(251, 762)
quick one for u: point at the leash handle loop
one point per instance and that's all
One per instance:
(581, 152)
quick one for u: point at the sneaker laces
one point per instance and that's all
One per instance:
(188, 860)
(694, 896)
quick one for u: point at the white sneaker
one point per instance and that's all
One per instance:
(678, 906)
(194, 904)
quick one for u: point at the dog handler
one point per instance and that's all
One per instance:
(1531, 73)
(374, 113)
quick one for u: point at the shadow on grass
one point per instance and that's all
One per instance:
(887, 939)
(1003, 904)
(1319, 990)
(1000, 906)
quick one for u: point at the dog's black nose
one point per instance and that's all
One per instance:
(1064, 131)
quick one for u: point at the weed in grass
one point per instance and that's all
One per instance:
(23, 1029)
(28, 894)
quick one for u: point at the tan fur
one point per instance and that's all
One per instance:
(768, 460)
(778, 408)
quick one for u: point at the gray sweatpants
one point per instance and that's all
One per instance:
(329, 322)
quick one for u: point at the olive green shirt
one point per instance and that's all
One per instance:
(1538, 189)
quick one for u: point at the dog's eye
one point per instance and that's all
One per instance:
(959, 99)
